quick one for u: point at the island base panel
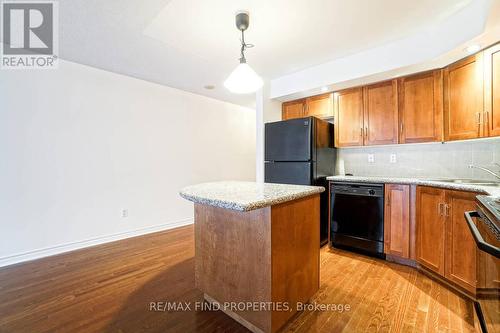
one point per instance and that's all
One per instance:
(233, 315)
(265, 255)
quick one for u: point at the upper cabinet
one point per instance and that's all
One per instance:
(421, 107)
(463, 99)
(293, 109)
(348, 105)
(381, 113)
(366, 116)
(320, 106)
(492, 91)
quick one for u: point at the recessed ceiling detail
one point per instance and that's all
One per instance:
(293, 35)
(186, 43)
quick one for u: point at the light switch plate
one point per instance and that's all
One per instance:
(371, 158)
(393, 158)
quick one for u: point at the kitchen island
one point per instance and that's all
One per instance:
(256, 249)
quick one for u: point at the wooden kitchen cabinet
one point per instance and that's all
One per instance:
(444, 242)
(320, 106)
(366, 115)
(420, 99)
(492, 91)
(381, 113)
(348, 106)
(430, 228)
(397, 220)
(463, 99)
(460, 261)
(293, 109)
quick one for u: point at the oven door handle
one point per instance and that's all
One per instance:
(486, 247)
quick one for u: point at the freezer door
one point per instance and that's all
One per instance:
(299, 173)
(289, 140)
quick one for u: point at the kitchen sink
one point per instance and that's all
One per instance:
(469, 182)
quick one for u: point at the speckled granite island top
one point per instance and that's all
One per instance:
(489, 190)
(246, 196)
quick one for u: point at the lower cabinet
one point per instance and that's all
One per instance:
(397, 220)
(320, 106)
(430, 228)
(444, 243)
(460, 258)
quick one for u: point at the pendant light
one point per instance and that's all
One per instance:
(243, 79)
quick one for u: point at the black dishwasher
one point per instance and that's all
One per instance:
(357, 217)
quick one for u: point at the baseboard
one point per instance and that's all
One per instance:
(424, 270)
(50, 251)
(401, 261)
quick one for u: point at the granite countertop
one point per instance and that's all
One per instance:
(246, 196)
(488, 190)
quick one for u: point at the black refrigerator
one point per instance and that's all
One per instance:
(300, 151)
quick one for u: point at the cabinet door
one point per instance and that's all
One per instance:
(463, 99)
(421, 107)
(381, 113)
(320, 106)
(460, 261)
(492, 91)
(348, 128)
(397, 220)
(430, 228)
(293, 109)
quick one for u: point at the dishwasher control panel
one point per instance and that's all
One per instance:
(376, 190)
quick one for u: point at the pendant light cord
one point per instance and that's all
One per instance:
(244, 46)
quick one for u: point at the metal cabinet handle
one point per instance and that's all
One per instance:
(486, 119)
(486, 247)
(361, 132)
(440, 209)
(478, 115)
(366, 133)
(401, 128)
(446, 210)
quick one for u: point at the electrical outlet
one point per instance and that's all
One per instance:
(393, 158)
(124, 213)
(371, 158)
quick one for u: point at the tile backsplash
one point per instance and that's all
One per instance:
(440, 160)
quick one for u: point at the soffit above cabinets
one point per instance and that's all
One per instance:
(429, 47)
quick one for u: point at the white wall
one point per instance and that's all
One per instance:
(79, 144)
(268, 110)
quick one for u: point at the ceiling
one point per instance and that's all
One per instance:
(188, 44)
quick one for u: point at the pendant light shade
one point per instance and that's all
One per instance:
(243, 79)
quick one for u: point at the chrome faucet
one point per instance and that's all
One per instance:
(484, 169)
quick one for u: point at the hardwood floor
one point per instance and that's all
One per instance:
(109, 288)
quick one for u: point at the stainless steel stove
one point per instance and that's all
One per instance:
(492, 204)
(484, 224)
